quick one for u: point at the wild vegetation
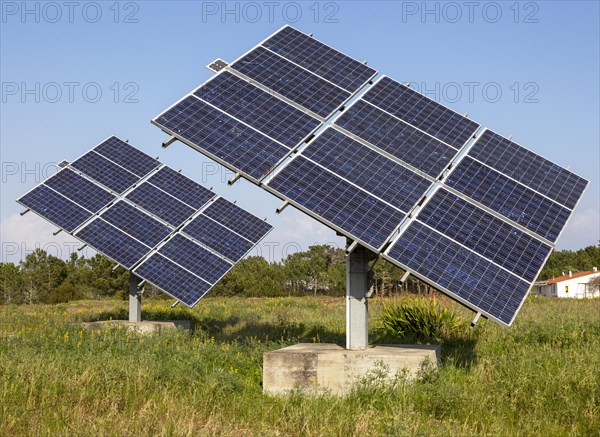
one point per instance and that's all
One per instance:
(539, 377)
(43, 278)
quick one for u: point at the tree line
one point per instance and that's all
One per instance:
(44, 278)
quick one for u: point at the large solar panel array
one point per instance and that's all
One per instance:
(465, 209)
(166, 228)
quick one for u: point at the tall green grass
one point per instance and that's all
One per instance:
(539, 377)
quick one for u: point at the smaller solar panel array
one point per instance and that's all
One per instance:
(170, 230)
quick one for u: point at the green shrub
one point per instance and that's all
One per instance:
(419, 317)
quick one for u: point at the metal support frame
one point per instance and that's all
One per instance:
(135, 298)
(357, 288)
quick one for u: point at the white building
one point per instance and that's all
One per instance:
(576, 285)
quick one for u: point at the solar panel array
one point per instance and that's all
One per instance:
(166, 228)
(395, 171)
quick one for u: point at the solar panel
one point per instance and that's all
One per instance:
(127, 156)
(459, 272)
(161, 204)
(397, 138)
(509, 198)
(173, 279)
(112, 242)
(320, 58)
(261, 110)
(218, 237)
(222, 138)
(136, 223)
(421, 112)
(485, 234)
(106, 172)
(196, 259)
(528, 168)
(184, 189)
(367, 168)
(238, 220)
(336, 201)
(55, 208)
(287, 79)
(80, 190)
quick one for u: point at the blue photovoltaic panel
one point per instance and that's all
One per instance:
(486, 234)
(113, 242)
(136, 223)
(195, 258)
(460, 271)
(259, 109)
(160, 204)
(337, 201)
(218, 134)
(127, 156)
(238, 220)
(185, 189)
(528, 168)
(397, 138)
(289, 80)
(106, 172)
(368, 169)
(55, 208)
(509, 198)
(80, 190)
(173, 279)
(218, 237)
(320, 59)
(422, 112)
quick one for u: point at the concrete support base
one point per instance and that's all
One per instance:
(145, 327)
(329, 367)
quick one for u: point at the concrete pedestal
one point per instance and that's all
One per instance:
(145, 327)
(329, 367)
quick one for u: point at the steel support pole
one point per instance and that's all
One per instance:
(357, 309)
(135, 298)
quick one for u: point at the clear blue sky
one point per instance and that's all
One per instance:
(530, 70)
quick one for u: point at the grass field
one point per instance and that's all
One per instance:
(540, 377)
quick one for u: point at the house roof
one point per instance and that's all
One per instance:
(565, 278)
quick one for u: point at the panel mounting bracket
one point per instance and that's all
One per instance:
(80, 248)
(166, 143)
(475, 320)
(234, 179)
(58, 231)
(281, 207)
(22, 213)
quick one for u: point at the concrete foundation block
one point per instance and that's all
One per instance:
(145, 327)
(330, 368)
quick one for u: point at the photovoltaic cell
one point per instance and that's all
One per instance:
(485, 234)
(509, 198)
(113, 242)
(127, 156)
(195, 258)
(173, 279)
(80, 190)
(213, 131)
(238, 220)
(337, 201)
(160, 204)
(368, 169)
(289, 80)
(460, 271)
(528, 168)
(259, 109)
(218, 237)
(396, 138)
(55, 208)
(181, 187)
(136, 223)
(422, 112)
(106, 172)
(320, 59)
